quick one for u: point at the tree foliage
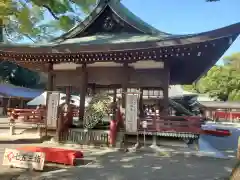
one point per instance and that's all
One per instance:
(222, 82)
(41, 19)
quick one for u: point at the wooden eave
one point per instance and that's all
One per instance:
(154, 50)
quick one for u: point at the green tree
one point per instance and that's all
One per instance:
(222, 82)
(27, 18)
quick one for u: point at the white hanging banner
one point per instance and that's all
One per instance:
(131, 112)
(52, 109)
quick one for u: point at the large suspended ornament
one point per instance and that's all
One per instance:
(97, 109)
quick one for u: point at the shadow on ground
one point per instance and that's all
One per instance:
(15, 173)
(150, 166)
(22, 141)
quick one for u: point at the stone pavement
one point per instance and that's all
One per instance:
(144, 166)
(7, 141)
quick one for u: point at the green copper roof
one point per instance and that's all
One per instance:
(134, 20)
(121, 11)
(112, 39)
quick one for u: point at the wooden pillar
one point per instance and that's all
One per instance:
(50, 77)
(141, 103)
(114, 103)
(68, 95)
(83, 90)
(125, 83)
(49, 89)
(166, 89)
(94, 89)
(1, 31)
(21, 103)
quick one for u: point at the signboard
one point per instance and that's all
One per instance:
(52, 109)
(144, 124)
(131, 112)
(21, 159)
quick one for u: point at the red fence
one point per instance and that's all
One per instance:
(226, 115)
(27, 115)
(173, 124)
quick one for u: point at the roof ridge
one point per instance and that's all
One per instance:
(100, 6)
(121, 11)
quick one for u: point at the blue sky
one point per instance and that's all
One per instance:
(188, 16)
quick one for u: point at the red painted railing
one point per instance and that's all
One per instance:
(226, 115)
(27, 115)
(187, 124)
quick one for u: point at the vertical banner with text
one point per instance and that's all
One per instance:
(131, 112)
(52, 109)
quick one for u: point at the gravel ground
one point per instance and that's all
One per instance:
(146, 166)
